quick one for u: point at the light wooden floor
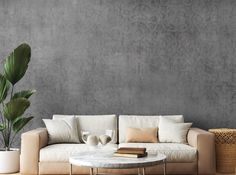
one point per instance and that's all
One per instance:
(216, 174)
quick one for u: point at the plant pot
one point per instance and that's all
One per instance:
(9, 161)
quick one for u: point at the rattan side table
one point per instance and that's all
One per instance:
(225, 142)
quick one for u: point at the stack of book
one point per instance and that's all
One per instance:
(131, 152)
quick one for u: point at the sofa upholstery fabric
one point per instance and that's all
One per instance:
(172, 132)
(62, 152)
(205, 143)
(31, 143)
(88, 123)
(137, 121)
(37, 157)
(175, 152)
(62, 131)
(139, 135)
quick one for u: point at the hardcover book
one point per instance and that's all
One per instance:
(127, 150)
(130, 155)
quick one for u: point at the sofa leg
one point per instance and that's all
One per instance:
(91, 171)
(143, 171)
(164, 168)
(139, 171)
(70, 169)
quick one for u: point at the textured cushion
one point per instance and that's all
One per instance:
(145, 135)
(170, 131)
(62, 131)
(175, 152)
(140, 121)
(62, 152)
(88, 123)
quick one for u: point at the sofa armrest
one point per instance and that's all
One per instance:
(31, 143)
(204, 141)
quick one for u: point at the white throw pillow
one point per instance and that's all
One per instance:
(170, 131)
(62, 131)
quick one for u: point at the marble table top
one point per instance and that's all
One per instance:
(105, 159)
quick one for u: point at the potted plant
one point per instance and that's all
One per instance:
(13, 106)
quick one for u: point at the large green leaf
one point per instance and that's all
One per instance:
(15, 108)
(4, 86)
(17, 63)
(23, 94)
(20, 122)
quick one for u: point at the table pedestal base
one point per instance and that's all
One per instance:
(94, 171)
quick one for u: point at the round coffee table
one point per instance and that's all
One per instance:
(96, 160)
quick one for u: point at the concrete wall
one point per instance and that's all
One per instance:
(127, 57)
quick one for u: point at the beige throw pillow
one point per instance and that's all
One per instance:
(62, 131)
(145, 135)
(170, 131)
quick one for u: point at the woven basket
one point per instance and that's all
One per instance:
(225, 141)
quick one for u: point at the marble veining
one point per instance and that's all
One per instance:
(105, 159)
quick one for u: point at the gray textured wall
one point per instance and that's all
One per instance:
(127, 57)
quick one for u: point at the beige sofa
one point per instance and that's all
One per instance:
(37, 157)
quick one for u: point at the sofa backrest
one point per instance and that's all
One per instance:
(95, 124)
(141, 121)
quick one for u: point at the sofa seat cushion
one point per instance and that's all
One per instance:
(62, 152)
(175, 152)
